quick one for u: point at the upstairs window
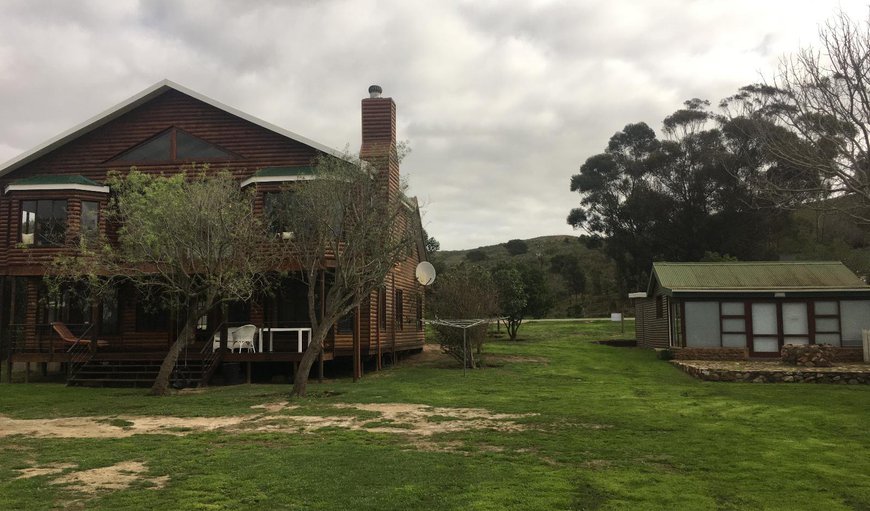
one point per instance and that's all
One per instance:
(90, 220)
(43, 222)
(174, 145)
(275, 211)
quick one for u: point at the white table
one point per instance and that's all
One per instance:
(272, 330)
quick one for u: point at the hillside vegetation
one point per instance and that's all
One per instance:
(581, 280)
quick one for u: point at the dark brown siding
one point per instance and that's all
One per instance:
(652, 331)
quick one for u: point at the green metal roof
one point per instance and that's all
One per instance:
(756, 276)
(284, 171)
(56, 179)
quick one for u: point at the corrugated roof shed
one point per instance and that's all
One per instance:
(757, 276)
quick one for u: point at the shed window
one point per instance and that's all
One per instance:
(43, 222)
(827, 320)
(702, 324)
(855, 316)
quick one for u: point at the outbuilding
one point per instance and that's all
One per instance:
(740, 310)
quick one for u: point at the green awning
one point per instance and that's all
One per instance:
(56, 179)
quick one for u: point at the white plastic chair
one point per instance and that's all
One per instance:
(243, 337)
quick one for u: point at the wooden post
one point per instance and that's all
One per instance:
(43, 368)
(27, 372)
(224, 334)
(357, 364)
(248, 372)
(9, 369)
(393, 349)
(378, 312)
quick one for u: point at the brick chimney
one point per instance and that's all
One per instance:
(379, 137)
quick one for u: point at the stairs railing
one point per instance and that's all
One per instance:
(211, 357)
(80, 353)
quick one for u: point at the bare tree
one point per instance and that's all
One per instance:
(344, 227)
(191, 239)
(813, 119)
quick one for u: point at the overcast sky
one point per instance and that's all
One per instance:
(500, 101)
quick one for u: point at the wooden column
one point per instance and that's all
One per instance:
(320, 366)
(357, 355)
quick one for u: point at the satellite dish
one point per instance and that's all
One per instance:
(425, 273)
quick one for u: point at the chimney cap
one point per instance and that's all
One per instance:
(375, 91)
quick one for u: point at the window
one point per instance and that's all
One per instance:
(733, 324)
(174, 145)
(345, 323)
(854, 316)
(795, 324)
(702, 324)
(70, 305)
(275, 210)
(43, 222)
(827, 322)
(400, 316)
(90, 220)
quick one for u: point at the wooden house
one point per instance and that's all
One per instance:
(56, 192)
(740, 310)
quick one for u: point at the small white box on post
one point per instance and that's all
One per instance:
(865, 336)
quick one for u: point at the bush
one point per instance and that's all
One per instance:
(516, 247)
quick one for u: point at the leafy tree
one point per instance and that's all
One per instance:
(516, 247)
(512, 298)
(465, 291)
(348, 230)
(673, 198)
(191, 239)
(476, 255)
(813, 116)
(432, 245)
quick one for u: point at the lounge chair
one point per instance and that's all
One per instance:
(243, 337)
(70, 339)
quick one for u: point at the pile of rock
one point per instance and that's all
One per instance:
(808, 355)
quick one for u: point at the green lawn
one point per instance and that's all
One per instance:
(614, 429)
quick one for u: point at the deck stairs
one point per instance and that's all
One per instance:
(136, 373)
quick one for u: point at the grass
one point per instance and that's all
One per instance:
(614, 429)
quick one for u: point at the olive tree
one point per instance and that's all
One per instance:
(190, 239)
(344, 227)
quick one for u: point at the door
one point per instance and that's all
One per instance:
(765, 330)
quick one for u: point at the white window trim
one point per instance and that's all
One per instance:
(276, 179)
(81, 188)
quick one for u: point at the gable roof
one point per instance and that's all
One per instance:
(134, 102)
(758, 276)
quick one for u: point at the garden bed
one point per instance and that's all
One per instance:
(774, 372)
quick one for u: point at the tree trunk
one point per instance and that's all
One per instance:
(161, 384)
(312, 352)
(513, 326)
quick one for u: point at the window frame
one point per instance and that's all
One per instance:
(22, 222)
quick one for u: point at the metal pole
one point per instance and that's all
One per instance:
(464, 353)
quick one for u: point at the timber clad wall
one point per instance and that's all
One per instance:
(250, 148)
(653, 332)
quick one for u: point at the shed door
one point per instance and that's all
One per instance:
(765, 329)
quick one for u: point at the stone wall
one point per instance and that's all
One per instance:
(796, 375)
(710, 353)
(847, 355)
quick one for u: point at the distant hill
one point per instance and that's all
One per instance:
(600, 297)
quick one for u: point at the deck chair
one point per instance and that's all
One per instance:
(243, 338)
(70, 339)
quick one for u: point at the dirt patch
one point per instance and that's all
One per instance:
(431, 356)
(112, 478)
(44, 470)
(399, 418)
